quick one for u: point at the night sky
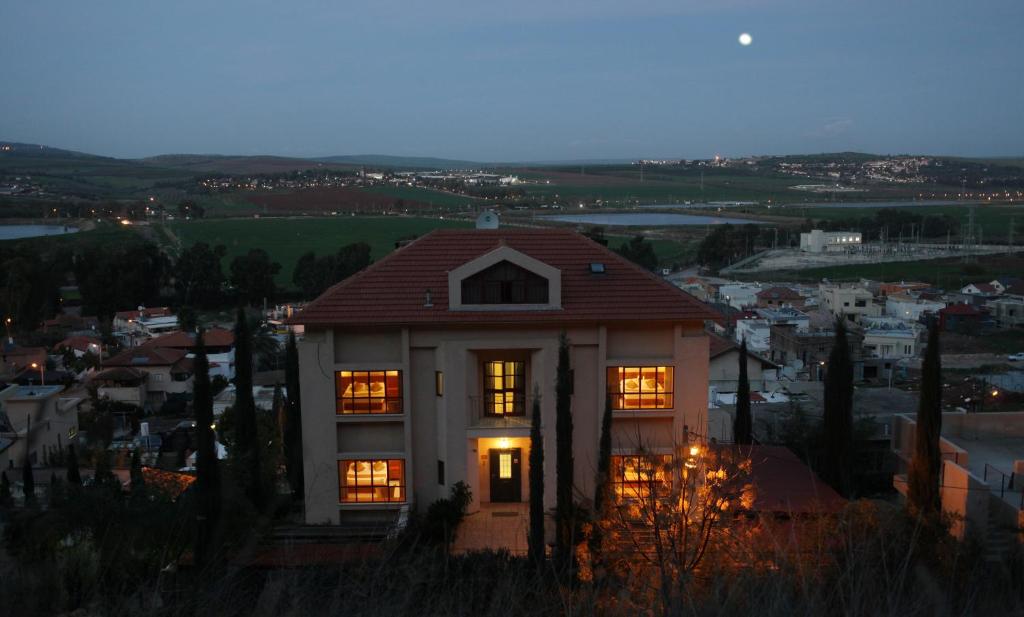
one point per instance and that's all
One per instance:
(514, 81)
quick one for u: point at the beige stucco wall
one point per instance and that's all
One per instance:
(446, 428)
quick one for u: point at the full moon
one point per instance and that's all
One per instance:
(746, 39)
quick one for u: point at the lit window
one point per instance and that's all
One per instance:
(640, 387)
(505, 465)
(504, 388)
(371, 481)
(634, 476)
(367, 392)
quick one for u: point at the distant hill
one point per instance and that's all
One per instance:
(404, 162)
(37, 151)
(240, 164)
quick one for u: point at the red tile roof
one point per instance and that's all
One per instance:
(214, 337)
(78, 343)
(960, 309)
(156, 311)
(393, 290)
(783, 484)
(718, 345)
(142, 357)
(986, 288)
(779, 293)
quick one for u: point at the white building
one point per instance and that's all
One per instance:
(902, 306)
(757, 332)
(890, 342)
(850, 302)
(739, 295)
(786, 316)
(818, 241)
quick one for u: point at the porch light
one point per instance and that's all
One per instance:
(694, 450)
(503, 443)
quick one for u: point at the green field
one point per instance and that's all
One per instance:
(945, 273)
(286, 239)
(424, 195)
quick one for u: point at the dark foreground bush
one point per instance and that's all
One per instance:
(872, 560)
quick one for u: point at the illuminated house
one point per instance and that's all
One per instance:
(422, 370)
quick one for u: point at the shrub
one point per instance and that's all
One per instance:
(443, 517)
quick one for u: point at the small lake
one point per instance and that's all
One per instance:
(15, 232)
(647, 219)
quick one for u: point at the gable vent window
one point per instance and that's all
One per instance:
(505, 283)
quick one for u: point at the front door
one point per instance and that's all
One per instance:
(506, 478)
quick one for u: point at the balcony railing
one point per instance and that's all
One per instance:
(485, 412)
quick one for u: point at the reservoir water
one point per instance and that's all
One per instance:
(15, 232)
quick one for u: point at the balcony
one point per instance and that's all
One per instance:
(479, 413)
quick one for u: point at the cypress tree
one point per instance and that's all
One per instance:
(74, 475)
(743, 424)
(923, 495)
(102, 476)
(246, 437)
(838, 422)
(6, 498)
(208, 489)
(563, 456)
(602, 490)
(536, 543)
(28, 481)
(292, 438)
(138, 482)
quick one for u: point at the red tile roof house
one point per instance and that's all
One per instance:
(421, 371)
(79, 345)
(775, 297)
(220, 348)
(957, 317)
(169, 371)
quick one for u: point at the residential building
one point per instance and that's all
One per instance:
(850, 302)
(901, 288)
(757, 333)
(1006, 284)
(220, 348)
(135, 327)
(1008, 312)
(963, 318)
(37, 419)
(169, 371)
(818, 241)
(806, 353)
(980, 289)
(16, 359)
(910, 308)
(786, 317)
(125, 384)
(779, 297)
(890, 343)
(80, 345)
(724, 369)
(422, 370)
(739, 295)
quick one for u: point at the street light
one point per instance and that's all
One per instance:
(42, 374)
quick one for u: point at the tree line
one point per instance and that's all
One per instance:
(116, 278)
